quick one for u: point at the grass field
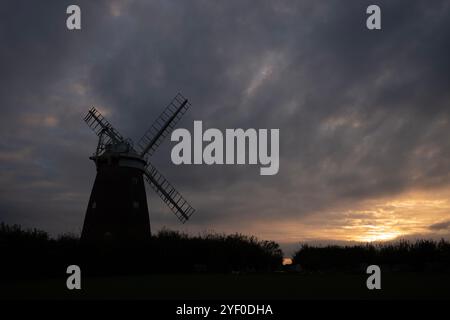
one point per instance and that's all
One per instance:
(250, 286)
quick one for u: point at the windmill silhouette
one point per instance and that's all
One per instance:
(117, 210)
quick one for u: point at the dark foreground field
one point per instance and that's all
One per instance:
(172, 265)
(247, 286)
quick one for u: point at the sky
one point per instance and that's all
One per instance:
(363, 115)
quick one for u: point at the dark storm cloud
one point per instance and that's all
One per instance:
(361, 114)
(440, 226)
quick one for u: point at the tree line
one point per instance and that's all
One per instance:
(398, 256)
(32, 252)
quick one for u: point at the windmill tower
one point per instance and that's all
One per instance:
(117, 210)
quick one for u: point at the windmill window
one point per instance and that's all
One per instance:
(94, 205)
(135, 204)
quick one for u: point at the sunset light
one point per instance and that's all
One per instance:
(377, 236)
(408, 216)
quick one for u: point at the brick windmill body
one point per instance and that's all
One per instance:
(117, 210)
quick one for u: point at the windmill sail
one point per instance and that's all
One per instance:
(100, 126)
(163, 125)
(168, 194)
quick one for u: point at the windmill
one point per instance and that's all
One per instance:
(117, 210)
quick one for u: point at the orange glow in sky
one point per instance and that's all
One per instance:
(407, 215)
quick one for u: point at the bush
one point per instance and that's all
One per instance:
(422, 255)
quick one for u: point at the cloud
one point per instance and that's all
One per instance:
(445, 225)
(39, 120)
